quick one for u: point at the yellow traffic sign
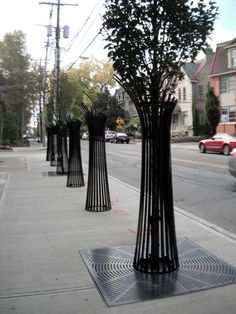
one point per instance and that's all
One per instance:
(119, 121)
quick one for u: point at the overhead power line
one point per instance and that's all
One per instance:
(80, 30)
(83, 51)
(85, 36)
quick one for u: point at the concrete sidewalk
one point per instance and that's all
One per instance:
(43, 225)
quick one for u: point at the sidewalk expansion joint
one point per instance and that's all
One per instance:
(44, 292)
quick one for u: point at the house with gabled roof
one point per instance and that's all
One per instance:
(223, 80)
(192, 89)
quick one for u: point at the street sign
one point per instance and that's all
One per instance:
(119, 121)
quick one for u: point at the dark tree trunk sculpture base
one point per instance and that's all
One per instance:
(156, 247)
(75, 176)
(49, 143)
(62, 159)
(98, 195)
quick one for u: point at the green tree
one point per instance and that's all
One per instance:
(149, 41)
(109, 105)
(213, 113)
(19, 79)
(91, 78)
(133, 125)
(10, 128)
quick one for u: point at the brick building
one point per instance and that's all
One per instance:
(223, 80)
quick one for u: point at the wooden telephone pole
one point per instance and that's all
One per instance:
(57, 54)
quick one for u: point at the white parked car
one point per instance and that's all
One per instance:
(85, 136)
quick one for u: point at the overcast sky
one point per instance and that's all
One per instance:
(84, 21)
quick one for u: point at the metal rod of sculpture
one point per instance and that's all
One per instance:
(62, 158)
(53, 158)
(49, 142)
(75, 177)
(98, 195)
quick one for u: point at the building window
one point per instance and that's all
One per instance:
(232, 58)
(185, 118)
(184, 93)
(228, 114)
(227, 84)
(179, 93)
(200, 95)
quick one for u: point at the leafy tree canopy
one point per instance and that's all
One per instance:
(94, 76)
(19, 78)
(83, 83)
(108, 104)
(149, 40)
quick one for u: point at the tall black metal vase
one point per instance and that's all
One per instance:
(62, 159)
(98, 196)
(49, 143)
(75, 177)
(54, 150)
(156, 245)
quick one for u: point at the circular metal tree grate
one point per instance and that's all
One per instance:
(119, 283)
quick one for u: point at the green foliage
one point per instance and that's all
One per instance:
(212, 106)
(149, 41)
(133, 125)
(109, 105)
(93, 77)
(79, 84)
(10, 128)
(19, 80)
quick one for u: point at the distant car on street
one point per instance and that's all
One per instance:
(109, 135)
(85, 136)
(120, 137)
(220, 142)
(232, 163)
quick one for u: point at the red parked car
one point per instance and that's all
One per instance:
(220, 142)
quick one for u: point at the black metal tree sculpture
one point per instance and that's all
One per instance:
(62, 158)
(54, 151)
(75, 177)
(49, 142)
(148, 42)
(98, 195)
(156, 247)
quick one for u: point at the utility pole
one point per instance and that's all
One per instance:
(57, 55)
(58, 111)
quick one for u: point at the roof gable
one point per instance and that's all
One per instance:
(193, 69)
(220, 61)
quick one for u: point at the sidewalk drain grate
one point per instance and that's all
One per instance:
(52, 174)
(119, 283)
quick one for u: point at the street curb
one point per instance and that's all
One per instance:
(203, 222)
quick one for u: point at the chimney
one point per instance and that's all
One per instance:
(209, 54)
